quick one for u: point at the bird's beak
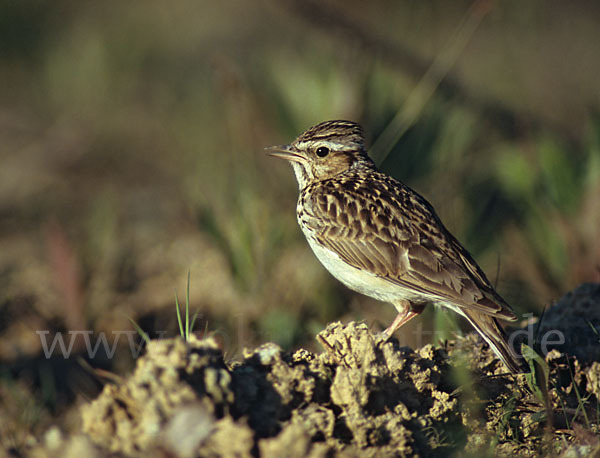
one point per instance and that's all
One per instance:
(285, 152)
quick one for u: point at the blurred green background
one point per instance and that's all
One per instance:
(131, 148)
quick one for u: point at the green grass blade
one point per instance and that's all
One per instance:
(194, 320)
(178, 316)
(595, 331)
(537, 378)
(187, 309)
(139, 330)
(580, 400)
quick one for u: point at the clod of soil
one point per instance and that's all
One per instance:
(359, 397)
(572, 325)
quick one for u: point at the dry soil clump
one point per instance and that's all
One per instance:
(359, 397)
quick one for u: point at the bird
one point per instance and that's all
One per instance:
(384, 240)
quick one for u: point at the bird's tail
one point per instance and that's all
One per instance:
(488, 327)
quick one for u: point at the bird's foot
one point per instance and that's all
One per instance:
(382, 337)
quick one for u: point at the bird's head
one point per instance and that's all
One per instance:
(324, 151)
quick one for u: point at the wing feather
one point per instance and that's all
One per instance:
(398, 237)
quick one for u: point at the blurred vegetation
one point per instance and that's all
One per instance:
(131, 140)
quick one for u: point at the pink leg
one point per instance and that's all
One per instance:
(400, 320)
(403, 317)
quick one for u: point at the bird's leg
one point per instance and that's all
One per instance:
(401, 319)
(406, 312)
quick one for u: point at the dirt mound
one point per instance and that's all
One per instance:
(359, 397)
(573, 323)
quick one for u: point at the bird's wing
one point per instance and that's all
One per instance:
(389, 230)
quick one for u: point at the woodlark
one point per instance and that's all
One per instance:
(382, 239)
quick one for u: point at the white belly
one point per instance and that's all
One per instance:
(361, 281)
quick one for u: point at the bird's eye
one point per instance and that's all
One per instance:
(322, 151)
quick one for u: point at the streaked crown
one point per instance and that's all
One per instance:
(339, 135)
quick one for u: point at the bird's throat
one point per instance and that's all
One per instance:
(301, 174)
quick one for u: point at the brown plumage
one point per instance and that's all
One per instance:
(381, 238)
